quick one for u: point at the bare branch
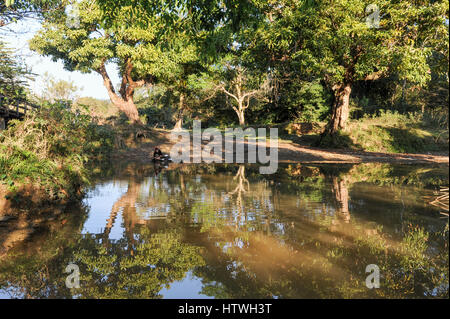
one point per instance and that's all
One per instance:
(229, 93)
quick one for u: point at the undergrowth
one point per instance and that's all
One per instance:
(392, 132)
(50, 148)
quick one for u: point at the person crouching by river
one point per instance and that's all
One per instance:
(157, 154)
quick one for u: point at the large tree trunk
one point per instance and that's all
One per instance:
(129, 108)
(179, 122)
(124, 101)
(240, 114)
(340, 110)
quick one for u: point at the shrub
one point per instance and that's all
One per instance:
(50, 149)
(393, 132)
(307, 101)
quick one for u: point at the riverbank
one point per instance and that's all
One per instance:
(45, 157)
(43, 161)
(288, 152)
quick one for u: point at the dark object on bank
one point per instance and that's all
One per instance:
(159, 156)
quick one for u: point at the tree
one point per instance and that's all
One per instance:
(181, 82)
(241, 90)
(144, 45)
(233, 75)
(343, 41)
(15, 10)
(12, 75)
(59, 89)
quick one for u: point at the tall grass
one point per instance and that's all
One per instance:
(49, 149)
(393, 132)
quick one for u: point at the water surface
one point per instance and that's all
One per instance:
(225, 231)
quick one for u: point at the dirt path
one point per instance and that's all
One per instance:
(300, 153)
(293, 152)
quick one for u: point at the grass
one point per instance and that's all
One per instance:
(386, 132)
(392, 132)
(49, 150)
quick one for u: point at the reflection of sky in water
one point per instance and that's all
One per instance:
(189, 286)
(4, 294)
(101, 201)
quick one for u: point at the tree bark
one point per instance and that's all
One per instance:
(240, 113)
(340, 109)
(130, 110)
(179, 122)
(124, 101)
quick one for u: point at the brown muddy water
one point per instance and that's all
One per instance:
(225, 231)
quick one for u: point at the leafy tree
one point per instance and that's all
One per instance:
(59, 89)
(239, 84)
(180, 83)
(15, 10)
(306, 101)
(12, 75)
(145, 47)
(342, 41)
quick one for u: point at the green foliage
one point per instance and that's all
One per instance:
(12, 75)
(95, 107)
(332, 40)
(146, 46)
(50, 149)
(59, 90)
(398, 133)
(307, 101)
(15, 10)
(154, 48)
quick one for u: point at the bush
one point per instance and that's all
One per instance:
(393, 132)
(307, 101)
(50, 149)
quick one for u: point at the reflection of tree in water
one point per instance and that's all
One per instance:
(321, 257)
(35, 267)
(127, 205)
(243, 185)
(311, 264)
(324, 257)
(340, 191)
(158, 260)
(295, 240)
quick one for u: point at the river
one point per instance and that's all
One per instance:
(226, 231)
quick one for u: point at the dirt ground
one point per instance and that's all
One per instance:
(290, 153)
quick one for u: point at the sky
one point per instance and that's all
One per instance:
(91, 84)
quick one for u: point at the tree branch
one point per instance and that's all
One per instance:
(373, 76)
(228, 93)
(108, 83)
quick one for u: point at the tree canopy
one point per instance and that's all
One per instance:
(145, 49)
(339, 42)
(13, 74)
(312, 55)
